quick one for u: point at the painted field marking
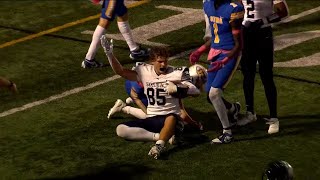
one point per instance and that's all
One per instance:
(142, 34)
(297, 16)
(67, 25)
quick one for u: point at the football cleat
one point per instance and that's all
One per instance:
(140, 53)
(248, 118)
(156, 151)
(223, 139)
(117, 107)
(91, 64)
(233, 116)
(237, 107)
(273, 125)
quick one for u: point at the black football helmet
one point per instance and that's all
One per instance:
(278, 170)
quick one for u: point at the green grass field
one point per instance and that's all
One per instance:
(71, 137)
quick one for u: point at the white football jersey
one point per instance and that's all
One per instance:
(258, 9)
(159, 102)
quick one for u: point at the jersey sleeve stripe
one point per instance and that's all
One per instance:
(236, 15)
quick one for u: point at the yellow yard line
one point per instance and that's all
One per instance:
(55, 29)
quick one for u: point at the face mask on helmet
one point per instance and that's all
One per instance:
(198, 75)
(278, 170)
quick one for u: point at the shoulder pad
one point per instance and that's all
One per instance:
(140, 64)
(182, 68)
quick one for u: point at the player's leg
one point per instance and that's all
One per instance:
(124, 28)
(215, 96)
(185, 117)
(266, 74)
(136, 112)
(166, 133)
(233, 108)
(120, 106)
(136, 131)
(222, 78)
(107, 16)
(248, 68)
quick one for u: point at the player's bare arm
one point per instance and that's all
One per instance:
(236, 32)
(135, 98)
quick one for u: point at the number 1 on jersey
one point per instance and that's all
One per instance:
(215, 31)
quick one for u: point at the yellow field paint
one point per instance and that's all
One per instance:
(55, 29)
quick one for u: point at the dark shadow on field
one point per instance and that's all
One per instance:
(193, 137)
(289, 126)
(209, 120)
(114, 171)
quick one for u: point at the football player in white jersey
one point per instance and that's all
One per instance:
(164, 86)
(258, 46)
(137, 96)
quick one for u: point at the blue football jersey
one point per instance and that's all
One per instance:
(220, 20)
(138, 88)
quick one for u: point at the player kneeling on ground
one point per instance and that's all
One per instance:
(164, 86)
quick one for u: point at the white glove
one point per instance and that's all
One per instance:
(107, 46)
(170, 88)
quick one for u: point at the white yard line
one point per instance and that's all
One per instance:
(286, 40)
(313, 60)
(58, 96)
(297, 16)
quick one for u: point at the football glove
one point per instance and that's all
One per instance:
(106, 45)
(218, 64)
(194, 57)
(170, 88)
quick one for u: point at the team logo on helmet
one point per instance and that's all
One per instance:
(198, 75)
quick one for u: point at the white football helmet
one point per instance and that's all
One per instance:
(198, 75)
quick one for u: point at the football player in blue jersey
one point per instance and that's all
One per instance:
(111, 9)
(225, 19)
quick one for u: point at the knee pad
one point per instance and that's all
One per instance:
(214, 93)
(121, 130)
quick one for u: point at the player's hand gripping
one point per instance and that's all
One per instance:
(170, 88)
(194, 57)
(217, 65)
(107, 46)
